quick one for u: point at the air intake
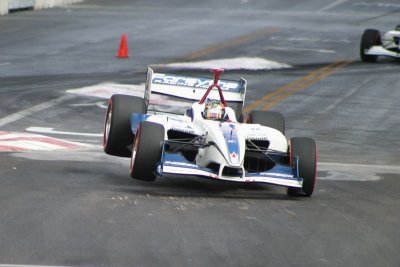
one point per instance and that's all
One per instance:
(232, 172)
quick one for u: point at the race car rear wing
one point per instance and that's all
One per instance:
(172, 93)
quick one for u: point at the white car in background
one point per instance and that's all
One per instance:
(374, 44)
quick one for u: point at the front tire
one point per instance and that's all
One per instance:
(306, 150)
(271, 119)
(370, 38)
(146, 152)
(117, 134)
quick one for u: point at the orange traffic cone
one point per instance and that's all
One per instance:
(123, 47)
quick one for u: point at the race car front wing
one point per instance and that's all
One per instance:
(380, 51)
(175, 163)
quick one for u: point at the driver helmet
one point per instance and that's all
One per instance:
(214, 109)
(398, 28)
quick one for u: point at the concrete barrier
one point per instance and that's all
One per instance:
(39, 4)
(3, 7)
(20, 4)
(7, 5)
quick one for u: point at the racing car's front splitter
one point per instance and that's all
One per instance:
(380, 51)
(278, 175)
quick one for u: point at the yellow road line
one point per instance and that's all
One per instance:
(285, 91)
(287, 87)
(305, 85)
(229, 43)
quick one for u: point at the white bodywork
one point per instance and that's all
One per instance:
(200, 126)
(388, 48)
(213, 131)
(222, 142)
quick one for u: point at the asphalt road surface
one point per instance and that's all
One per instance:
(63, 202)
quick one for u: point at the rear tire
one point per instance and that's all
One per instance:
(370, 38)
(306, 149)
(146, 152)
(117, 134)
(271, 119)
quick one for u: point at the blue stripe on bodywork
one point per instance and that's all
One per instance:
(232, 140)
(279, 171)
(136, 119)
(177, 160)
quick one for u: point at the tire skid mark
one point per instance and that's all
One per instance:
(230, 43)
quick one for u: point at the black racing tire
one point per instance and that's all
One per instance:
(268, 118)
(306, 150)
(117, 134)
(370, 38)
(146, 152)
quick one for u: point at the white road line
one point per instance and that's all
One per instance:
(299, 49)
(53, 52)
(247, 63)
(106, 90)
(313, 40)
(354, 172)
(5, 64)
(379, 5)
(332, 5)
(24, 113)
(100, 104)
(52, 131)
(369, 167)
(15, 142)
(30, 145)
(26, 265)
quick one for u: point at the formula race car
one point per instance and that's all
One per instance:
(373, 44)
(165, 133)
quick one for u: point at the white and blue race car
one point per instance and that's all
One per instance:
(189, 126)
(374, 44)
